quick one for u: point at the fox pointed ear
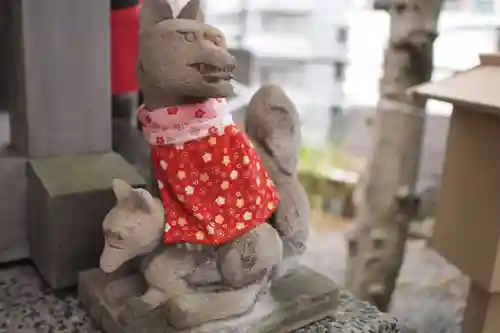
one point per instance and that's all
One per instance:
(191, 11)
(143, 200)
(121, 189)
(153, 12)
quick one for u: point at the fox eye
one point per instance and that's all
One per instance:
(218, 40)
(141, 67)
(189, 36)
(113, 235)
(129, 229)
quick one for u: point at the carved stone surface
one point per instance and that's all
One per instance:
(174, 71)
(293, 301)
(272, 122)
(68, 198)
(178, 292)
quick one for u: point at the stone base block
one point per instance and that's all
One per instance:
(293, 301)
(13, 225)
(68, 198)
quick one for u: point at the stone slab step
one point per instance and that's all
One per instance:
(293, 301)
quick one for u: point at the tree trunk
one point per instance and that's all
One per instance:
(385, 197)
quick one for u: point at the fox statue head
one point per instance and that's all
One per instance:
(133, 227)
(182, 60)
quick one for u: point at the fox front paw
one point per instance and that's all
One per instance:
(134, 308)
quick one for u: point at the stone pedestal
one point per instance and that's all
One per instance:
(300, 302)
(68, 198)
(293, 301)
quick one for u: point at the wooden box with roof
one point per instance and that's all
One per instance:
(467, 231)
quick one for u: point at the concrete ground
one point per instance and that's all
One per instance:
(430, 295)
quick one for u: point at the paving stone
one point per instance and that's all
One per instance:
(431, 300)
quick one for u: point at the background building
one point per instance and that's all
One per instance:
(475, 6)
(298, 44)
(328, 56)
(479, 6)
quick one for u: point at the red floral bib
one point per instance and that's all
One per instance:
(214, 188)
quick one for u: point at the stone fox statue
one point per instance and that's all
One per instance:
(215, 189)
(135, 227)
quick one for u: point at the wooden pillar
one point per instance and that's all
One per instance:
(64, 89)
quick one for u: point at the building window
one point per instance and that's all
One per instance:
(342, 35)
(337, 124)
(291, 76)
(452, 4)
(335, 111)
(484, 6)
(283, 23)
(381, 4)
(339, 71)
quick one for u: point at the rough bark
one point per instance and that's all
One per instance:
(385, 197)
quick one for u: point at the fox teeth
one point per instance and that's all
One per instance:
(209, 69)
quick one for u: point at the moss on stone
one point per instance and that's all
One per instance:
(83, 173)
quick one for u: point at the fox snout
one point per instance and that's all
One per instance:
(113, 258)
(215, 62)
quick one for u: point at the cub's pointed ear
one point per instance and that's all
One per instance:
(153, 12)
(191, 11)
(201, 16)
(143, 200)
(121, 189)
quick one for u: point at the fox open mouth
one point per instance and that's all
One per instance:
(214, 74)
(116, 247)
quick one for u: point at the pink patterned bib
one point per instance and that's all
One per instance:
(179, 124)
